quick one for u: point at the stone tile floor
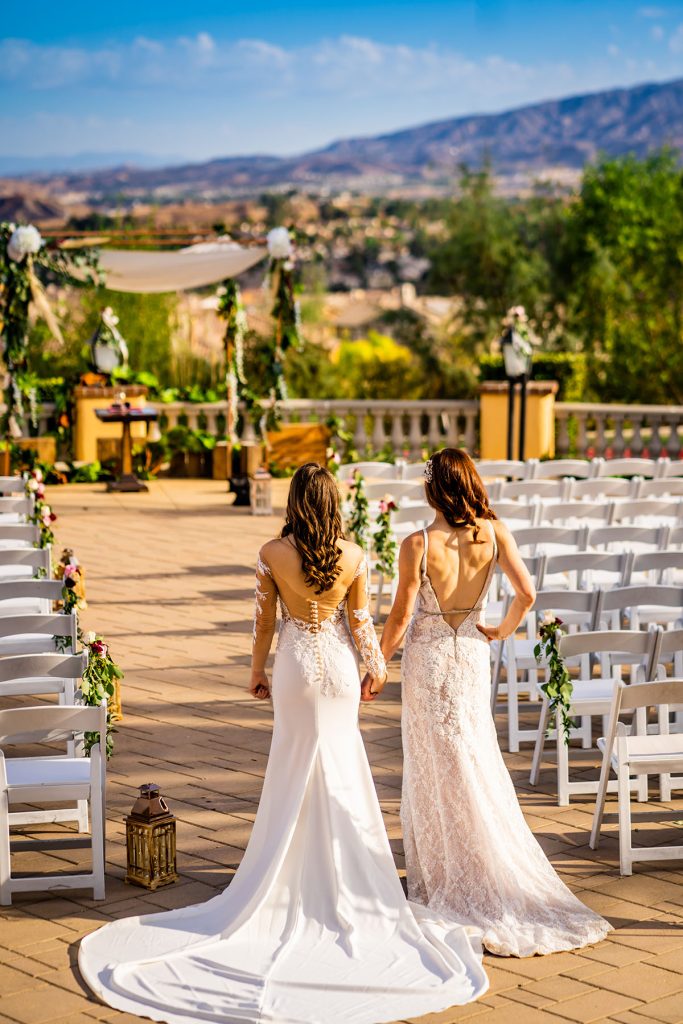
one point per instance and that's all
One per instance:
(169, 578)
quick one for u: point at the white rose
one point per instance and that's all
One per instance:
(109, 317)
(24, 241)
(33, 485)
(279, 244)
(90, 637)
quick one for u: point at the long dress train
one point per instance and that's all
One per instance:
(314, 926)
(469, 852)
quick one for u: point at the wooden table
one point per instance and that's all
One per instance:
(125, 415)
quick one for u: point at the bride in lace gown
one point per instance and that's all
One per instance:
(314, 926)
(468, 850)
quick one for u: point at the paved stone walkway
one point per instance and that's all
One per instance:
(169, 578)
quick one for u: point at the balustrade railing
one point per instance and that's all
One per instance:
(583, 429)
(590, 429)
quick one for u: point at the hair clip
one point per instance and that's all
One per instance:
(429, 469)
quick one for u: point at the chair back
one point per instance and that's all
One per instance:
(670, 467)
(12, 485)
(570, 512)
(43, 666)
(567, 600)
(670, 649)
(577, 563)
(645, 695)
(400, 490)
(33, 558)
(535, 537)
(669, 487)
(418, 514)
(643, 594)
(18, 533)
(50, 624)
(414, 471)
(630, 645)
(647, 508)
(50, 723)
(657, 562)
(490, 469)
(41, 590)
(602, 487)
(517, 512)
(369, 470)
(627, 467)
(558, 469)
(628, 537)
(533, 490)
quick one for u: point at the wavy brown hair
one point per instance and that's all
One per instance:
(314, 523)
(456, 489)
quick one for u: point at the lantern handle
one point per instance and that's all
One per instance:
(163, 804)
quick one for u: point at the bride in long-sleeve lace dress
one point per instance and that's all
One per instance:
(314, 926)
(468, 850)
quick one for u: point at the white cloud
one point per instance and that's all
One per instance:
(613, 50)
(652, 12)
(676, 40)
(657, 33)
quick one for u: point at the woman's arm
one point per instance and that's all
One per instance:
(513, 566)
(265, 614)
(409, 559)
(363, 629)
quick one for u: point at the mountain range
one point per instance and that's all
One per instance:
(551, 136)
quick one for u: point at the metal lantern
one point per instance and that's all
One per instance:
(262, 493)
(151, 840)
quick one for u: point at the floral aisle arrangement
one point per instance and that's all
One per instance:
(23, 256)
(558, 685)
(517, 330)
(358, 521)
(101, 678)
(384, 540)
(70, 571)
(42, 516)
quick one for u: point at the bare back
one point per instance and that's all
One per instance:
(459, 568)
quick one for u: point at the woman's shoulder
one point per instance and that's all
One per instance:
(351, 551)
(413, 544)
(270, 548)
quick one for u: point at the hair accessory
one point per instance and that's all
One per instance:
(429, 469)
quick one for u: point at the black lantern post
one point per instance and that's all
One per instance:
(517, 360)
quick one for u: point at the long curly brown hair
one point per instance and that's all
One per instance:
(456, 489)
(314, 523)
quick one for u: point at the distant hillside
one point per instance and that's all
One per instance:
(558, 134)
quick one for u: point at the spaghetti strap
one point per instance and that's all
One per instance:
(423, 563)
(495, 542)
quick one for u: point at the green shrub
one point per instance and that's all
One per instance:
(569, 369)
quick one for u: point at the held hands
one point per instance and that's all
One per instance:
(371, 687)
(259, 685)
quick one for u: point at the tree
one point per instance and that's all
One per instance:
(623, 277)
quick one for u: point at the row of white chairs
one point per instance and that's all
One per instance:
(531, 469)
(39, 658)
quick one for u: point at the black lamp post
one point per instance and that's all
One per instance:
(517, 360)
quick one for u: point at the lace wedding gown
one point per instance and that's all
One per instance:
(469, 852)
(314, 927)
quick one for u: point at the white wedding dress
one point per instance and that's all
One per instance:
(314, 927)
(469, 852)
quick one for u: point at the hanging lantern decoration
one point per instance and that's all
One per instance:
(151, 841)
(108, 349)
(261, 487)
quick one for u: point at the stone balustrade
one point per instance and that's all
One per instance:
(590, 429)
(583, 429)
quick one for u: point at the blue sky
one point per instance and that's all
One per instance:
(198, 80)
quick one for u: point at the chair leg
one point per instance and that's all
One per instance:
(540, 742)
(586, 732)
(82, 816)
(533, 682)
(562, 770)
(97, 834)
(665, 788)
(624, 793)
(599, 811)
(513, 709)
(5, 871)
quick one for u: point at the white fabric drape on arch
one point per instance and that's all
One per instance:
(130, 270)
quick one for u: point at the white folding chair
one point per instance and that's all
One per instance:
(574, 513)
(552, 540)
(402, 491)
(38, 634)
(669, 656)
(642, 606)
(12, 485)
(534, 490)
(369, 470)
(407, 520)
(413, 471)
(592, 696)
(510, 469)
(628, 538)
(25, 563)
(588, 569)
(52, 779)
(602, 487)
(516, 514)
(669, 487)
(660, 567)
(627, 467)
(558, 469)
(28, 597)
(647, 512)
(33, 674)
(519, 659)
(669, 467)
(637, 755)
(14, 535)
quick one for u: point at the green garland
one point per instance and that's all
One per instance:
(384, 538)
(42, 516)
(558, 686)
(358, 524)
(20, 262)
(98, 682)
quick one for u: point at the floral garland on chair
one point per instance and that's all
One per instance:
(42, 516)
(384, 538)
(358, 522)
(558, 686)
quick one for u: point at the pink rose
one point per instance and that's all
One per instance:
(70, 570)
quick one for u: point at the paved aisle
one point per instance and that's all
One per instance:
(169, 577)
